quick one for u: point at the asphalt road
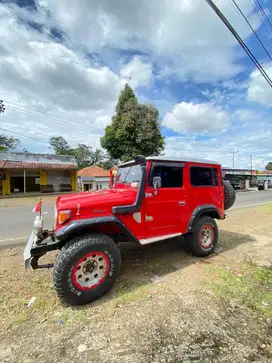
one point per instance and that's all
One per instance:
(16, 222)
(248, 199)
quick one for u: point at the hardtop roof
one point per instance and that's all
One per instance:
(176, 159)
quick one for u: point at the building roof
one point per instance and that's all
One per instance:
(177, 159)
(25, 165)
(10, 160)
(94, 171)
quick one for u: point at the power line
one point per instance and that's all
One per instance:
(28, 137)
(250, 26)
(49, 115)
(45, 118)
(242, 43)
(48, 118)
(263, 14)
(261, 17)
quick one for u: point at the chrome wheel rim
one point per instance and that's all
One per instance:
(90, 271)
(206, 236)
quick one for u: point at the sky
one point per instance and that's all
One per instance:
(63, 64)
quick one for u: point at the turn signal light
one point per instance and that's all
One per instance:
(64, 215)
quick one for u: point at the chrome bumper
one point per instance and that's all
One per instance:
(27, 254)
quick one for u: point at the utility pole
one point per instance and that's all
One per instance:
(251, 163)
(233, 157)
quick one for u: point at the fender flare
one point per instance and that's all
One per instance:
(78, 226)
(199, 211)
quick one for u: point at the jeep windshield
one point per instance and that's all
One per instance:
(128, 174)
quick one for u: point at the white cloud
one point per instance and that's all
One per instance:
(55, 74)
(65, 79)
(259, 90)
(186, 38)
(202, 117)
(47, 76)
(219, 149)
(137, 72)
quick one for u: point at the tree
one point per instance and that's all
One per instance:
(60, 145)
(135, 129)
(84, 154)
(269, 166)
(8, 143)
(97, 157)
(108, 163)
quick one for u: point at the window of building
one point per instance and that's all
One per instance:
(172, 177)
(201, 176)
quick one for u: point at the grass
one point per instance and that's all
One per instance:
(251, 286)
(128, 291)
(265, 209)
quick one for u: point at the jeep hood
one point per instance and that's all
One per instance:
(105, 199)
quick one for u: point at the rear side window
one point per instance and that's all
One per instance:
(215, 177)
(172, 177)
(203, 177)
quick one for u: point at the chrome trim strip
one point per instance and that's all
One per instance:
(146, 241)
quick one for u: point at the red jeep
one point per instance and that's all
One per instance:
(152, 199)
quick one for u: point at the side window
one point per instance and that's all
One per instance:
(201, 176)
(215, 177)
(172, 177)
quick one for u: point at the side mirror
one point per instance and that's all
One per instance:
(157, 182)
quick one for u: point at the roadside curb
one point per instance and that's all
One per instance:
(249, 206)
(12, 242)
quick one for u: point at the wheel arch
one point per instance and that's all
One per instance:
(110, 226)
(203, 210)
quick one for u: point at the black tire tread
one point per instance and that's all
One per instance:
(191, 240)
(229, 195)
(68, 250)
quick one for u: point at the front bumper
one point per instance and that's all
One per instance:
(37, 246)
(27, 251)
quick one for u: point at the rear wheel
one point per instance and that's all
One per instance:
(86, 269)
(202, 241)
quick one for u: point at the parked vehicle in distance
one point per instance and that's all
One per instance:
(152, 199)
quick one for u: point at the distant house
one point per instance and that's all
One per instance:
(32, 173)
(93, 178)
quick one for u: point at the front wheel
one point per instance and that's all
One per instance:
(202, 241)
(86, 269)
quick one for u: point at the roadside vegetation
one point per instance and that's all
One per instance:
(248, 285)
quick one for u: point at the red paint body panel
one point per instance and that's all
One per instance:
(163, 212)
(95, 204)
(169, 216)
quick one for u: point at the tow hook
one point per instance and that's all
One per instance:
(36, 266)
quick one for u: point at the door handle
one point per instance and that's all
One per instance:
(182, 202)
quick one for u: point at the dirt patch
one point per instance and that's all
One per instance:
(165, 307)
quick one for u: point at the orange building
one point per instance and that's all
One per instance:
(93, 178)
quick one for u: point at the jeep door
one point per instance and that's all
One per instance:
(166, 206)
(206, 186)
